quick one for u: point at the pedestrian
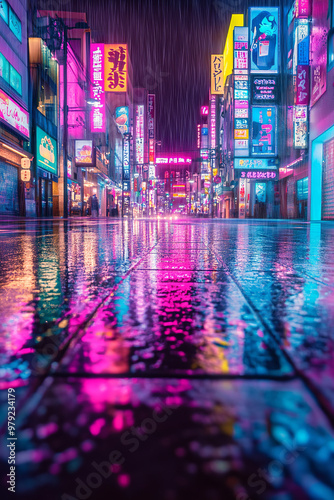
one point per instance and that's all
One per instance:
(95, 206)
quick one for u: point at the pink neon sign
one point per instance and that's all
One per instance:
(174, 159)
(204, 110)
(97, 114)
(12, 114)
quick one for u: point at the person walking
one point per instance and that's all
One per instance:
(95, 206)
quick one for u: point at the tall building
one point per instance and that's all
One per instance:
(15, 120)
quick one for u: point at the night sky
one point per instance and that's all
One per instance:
(170, 42)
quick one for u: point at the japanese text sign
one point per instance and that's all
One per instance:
(115, 67)
(97, 113)
(217, 74)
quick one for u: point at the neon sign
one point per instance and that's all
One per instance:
(174, 160)
(140, 134)
(97, 114)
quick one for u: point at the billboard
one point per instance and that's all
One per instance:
(320, 27)
(264, 39)
(264, 89)
(242, 198)
(84, 152)
(115, 67)
(122, 119)
(300, 127)
(213, 138)
(265, 175)
(13, 114)
(140, 134)
(240, 48)
(263, 141)
(255, 163)
(97, 113)
(217, 74)
(46, 151)
(151, 127)
(303, 85)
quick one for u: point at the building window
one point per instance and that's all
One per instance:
(15, 24)
(4, 10)
(15, 80)
(4, 68)
(47, 102)
(10, 75)
(302, 189)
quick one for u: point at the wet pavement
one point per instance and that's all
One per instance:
(160, 359)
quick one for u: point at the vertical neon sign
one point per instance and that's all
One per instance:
(140, 134)
(97, 114)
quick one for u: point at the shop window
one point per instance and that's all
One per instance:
(47, 102)
(302, 189)
(15, 80)
(15, 24)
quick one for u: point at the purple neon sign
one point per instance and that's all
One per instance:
(97, 114)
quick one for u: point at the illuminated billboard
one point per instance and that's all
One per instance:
(151, 127)
(46, 151)
(122, 119)
(115, 67)
(140, 134)
(264, 39)
(255, 163)
(236, 20)
(84, 152)
(97, 113)
(217, 74)
(300, 127)
(263, 139)
(264, 89)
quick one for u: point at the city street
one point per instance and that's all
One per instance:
(169, 359)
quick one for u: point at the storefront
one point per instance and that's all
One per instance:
(14, 128)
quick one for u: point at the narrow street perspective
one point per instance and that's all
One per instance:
(167, 249)
(170, 359)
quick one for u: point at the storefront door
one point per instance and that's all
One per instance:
(9, 196)
(328, 181)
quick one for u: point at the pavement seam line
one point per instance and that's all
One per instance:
(321, 401)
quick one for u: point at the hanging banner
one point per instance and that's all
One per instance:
(303, 85)
(122, 119)
(302, 8)
(320, 27)
(242, 198)
(264, 39)
(97, 113)
(263, 141)
(140, 134)
(302, 34)
(300, 130)
(115, 67)
(151, 127)
(217, 74)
